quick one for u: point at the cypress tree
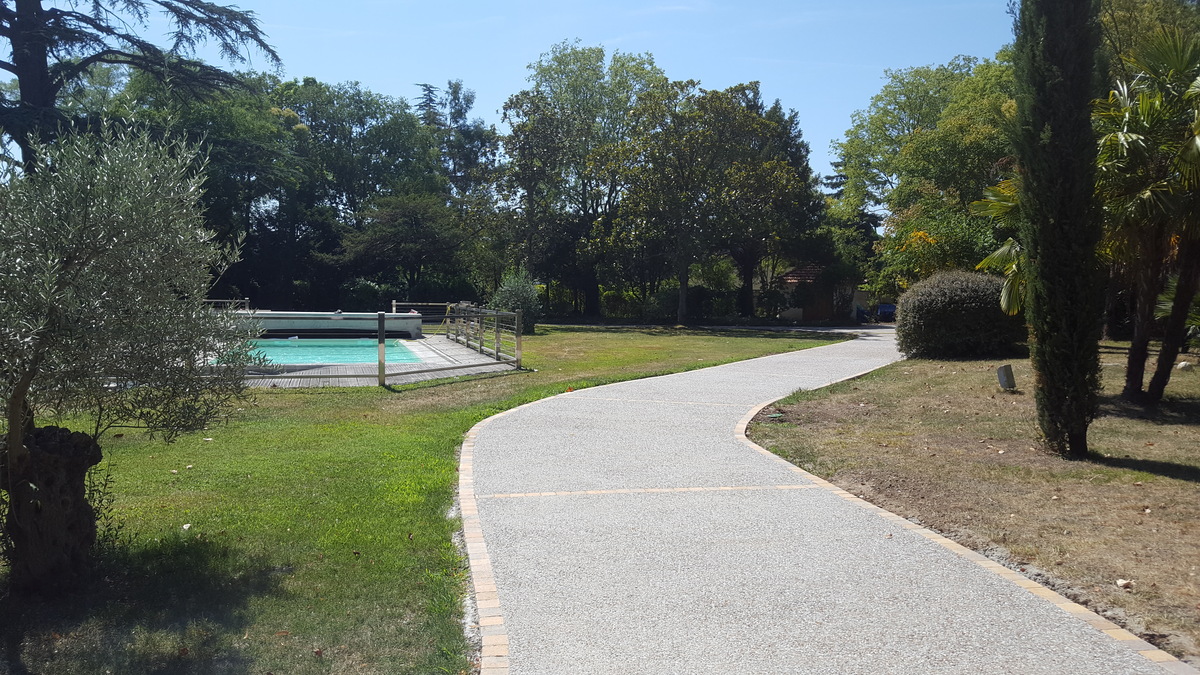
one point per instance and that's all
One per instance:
(1055, 68)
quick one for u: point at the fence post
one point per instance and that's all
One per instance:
(517, 332)
(382, 333)
(479, 315)
(496, 318)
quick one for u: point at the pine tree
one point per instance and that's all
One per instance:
(51, 47)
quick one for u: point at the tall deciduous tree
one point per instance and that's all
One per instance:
(249, 142)
(930, 143)
(698, 166)
(567, 179)
(51, 48)
(910, 103)
(1055, 68)
(299, 170)
(357, 145)
(771, 199)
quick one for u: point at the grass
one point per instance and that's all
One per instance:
(314, 533)
(939, 442)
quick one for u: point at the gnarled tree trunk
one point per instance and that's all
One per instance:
(50, 523)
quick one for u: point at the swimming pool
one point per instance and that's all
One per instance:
(311, 352)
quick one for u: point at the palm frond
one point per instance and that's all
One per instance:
(1008, 260)
(1166, 302)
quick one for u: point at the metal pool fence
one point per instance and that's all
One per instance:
(497, 334)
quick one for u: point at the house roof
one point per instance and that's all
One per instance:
(806, 273)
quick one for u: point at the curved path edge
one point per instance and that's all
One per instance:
(1164, 659)
(493, 634)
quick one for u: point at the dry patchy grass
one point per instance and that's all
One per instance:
(940, 443)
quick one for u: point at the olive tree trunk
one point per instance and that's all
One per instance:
(50, 523)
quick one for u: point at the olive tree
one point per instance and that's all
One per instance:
(104, 270)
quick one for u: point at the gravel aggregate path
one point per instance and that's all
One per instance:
(630, 528)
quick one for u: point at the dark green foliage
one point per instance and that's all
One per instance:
(717, 171)
(518, 292)
(53, 48)
(566, 170)
(1055, 68)
(955, 314)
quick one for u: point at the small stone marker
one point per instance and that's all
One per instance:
(1005, 375)
(1184, 366)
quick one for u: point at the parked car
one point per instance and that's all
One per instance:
(885, 312)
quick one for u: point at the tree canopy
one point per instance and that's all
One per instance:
(341, 197)
(930, 143)
(52, 48)
(566, 176)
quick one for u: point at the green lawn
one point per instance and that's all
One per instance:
(318, 537)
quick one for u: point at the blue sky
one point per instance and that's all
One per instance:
(824, 59)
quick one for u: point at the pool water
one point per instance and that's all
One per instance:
(304, 352)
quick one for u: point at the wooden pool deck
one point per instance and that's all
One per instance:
(435, 351)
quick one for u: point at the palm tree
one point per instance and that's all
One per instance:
(1149, 181)
(1166, 303)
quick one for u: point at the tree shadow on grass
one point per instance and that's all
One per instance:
(1115, 350)
(445, 381)
(1186, 472)
(169, 607)
(778, 333)
(1171, 410)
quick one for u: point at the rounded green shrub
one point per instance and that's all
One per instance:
(517, 291)
(956, 314)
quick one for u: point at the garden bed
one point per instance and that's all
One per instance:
(939, 442)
